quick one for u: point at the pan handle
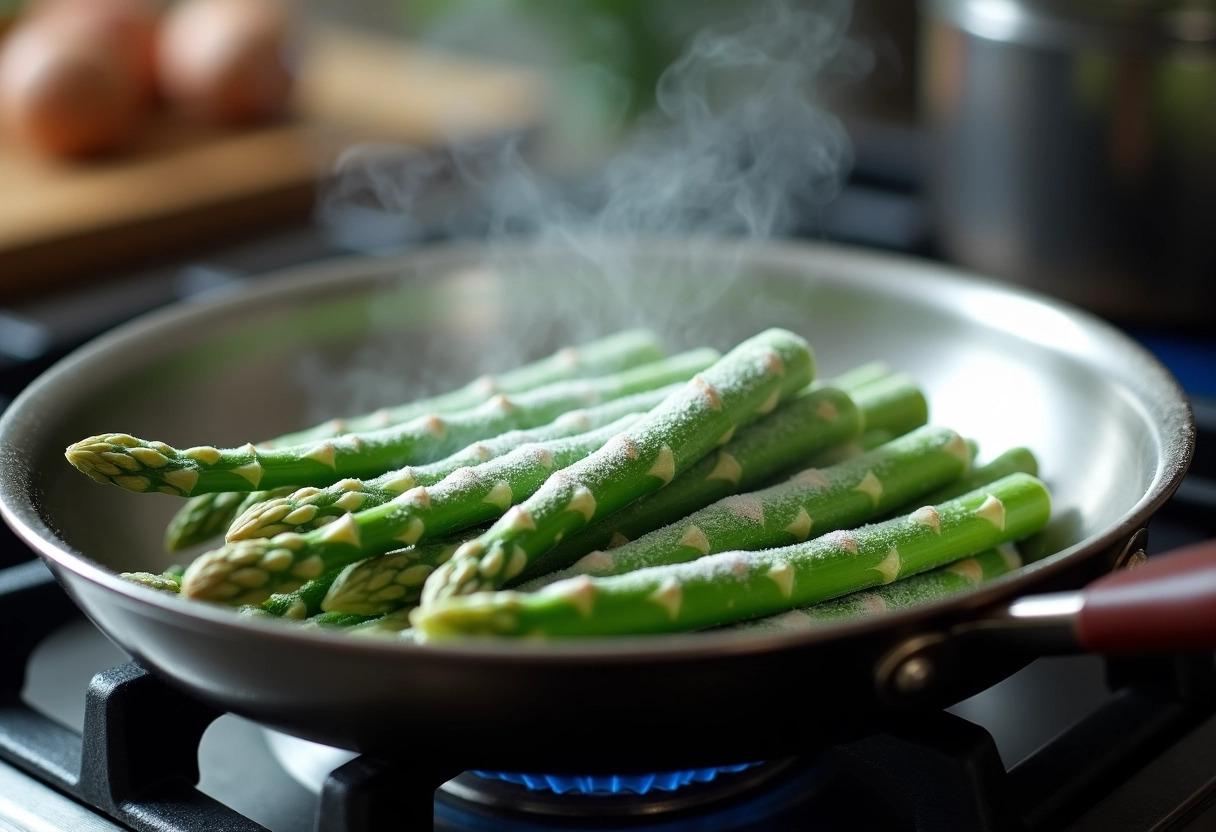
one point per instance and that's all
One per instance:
(1168, 604)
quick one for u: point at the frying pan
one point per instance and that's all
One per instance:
(1111, 427)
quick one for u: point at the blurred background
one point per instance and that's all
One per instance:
(151, 151)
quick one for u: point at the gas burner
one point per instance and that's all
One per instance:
(613, 797)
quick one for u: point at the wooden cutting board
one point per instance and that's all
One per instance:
(187, 184)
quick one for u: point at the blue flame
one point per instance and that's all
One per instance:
(667, 781)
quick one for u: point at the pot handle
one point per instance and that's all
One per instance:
(1166, 604)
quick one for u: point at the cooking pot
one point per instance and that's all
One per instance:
(1111, 427)
(1069, 148)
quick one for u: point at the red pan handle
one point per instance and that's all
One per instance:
(1167, 604)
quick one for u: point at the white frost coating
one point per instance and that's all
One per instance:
(738, 564)
(889, 566)
(183, 479)
(664, 467)
(500, 495)
(484, 385)
(992, 510)
(782, 574)
(543, 457)
(927, 516)
(481, 451)
(871, 486)
(323, 453)
(203, 453)
(622, 445)
(727, 468)
(772, 363)
(576, 419)
(871, 603)
(707, 390)
(596, 563)
(744, 506)
(726, 437)
(842, 539)
(696, 539)
(342, 530)
(582, 501)
(811, 476)
(418, 497)
(669, 596)
(827, 411)
(800, 527)
(519, 519)
(957, 447)
(413, 531)
(968, 568)
(770, 404)
(435, 426)
(616, 540)
(516, 563)
(382, 418)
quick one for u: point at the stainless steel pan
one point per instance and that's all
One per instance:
(1111, 427)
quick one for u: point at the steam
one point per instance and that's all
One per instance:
(737, 146)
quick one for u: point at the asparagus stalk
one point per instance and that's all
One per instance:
(813, 502)
(748, 383)
(389, 582)
(910, 592)
(1010, 462)
(247, 571)
(310, 508)
(735, 586)
(854, 379)
(207, 515)
(143, 466)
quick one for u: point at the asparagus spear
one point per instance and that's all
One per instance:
(207, 515)
(1009, 462)
(310, 508)
(247, 571)
(382, 584)
(812, 502)
(749, 382)
(919, 589)
(735, 586)
(143, 466)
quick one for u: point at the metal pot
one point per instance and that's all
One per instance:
(1070, 147)
(1111, 427)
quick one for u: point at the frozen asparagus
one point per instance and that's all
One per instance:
(909, 592)
(246, 571)
(205, 516)
(813, 502)
(143, 466)
(735, 586)
(309, 508)
(749, 382)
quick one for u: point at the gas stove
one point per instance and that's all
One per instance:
(90, 741)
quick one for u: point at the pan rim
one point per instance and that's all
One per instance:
(299, 283)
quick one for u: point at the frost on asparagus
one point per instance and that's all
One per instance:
(810, 503)
(734, 586)
(207, 515)
(734, 392)
(466, 497)
(924, 588)
(775, 444)
(312, 507)
(143, 466)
